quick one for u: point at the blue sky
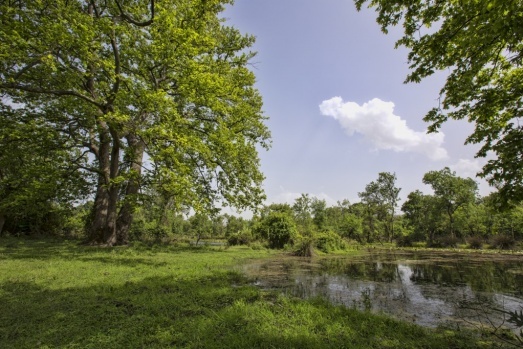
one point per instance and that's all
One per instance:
(332, 85)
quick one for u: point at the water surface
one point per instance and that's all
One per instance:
(427, 288)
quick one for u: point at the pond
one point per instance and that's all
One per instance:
(428, 288)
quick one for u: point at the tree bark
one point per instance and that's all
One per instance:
(100, 210)
(125, 217)
(100, 231)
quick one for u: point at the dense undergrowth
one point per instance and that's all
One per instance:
(57, 294)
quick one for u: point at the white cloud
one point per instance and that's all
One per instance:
(467, 168)
(376, 121)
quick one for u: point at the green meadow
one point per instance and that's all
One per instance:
(58, 294)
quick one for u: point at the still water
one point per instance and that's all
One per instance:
(427, 288)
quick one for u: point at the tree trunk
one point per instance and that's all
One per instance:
(100, 210)
(110, 237)
(103, 226)
(125, 217)
(2, 222)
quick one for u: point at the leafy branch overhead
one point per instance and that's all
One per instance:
(480, 44)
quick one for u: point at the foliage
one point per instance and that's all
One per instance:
(234, 225)
(304, 246)
(278, 228)
(240, 238)
(329, 242)
(405, 241)
(302, 210)
(318, 208)
(481, 45)
(37, 185)
(380, 199)
(451, 191)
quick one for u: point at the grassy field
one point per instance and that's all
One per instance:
(56, 294)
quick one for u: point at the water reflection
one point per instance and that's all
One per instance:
(425, 288)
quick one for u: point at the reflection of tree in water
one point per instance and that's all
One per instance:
(374, 271)
(483, 277)
(426, 289)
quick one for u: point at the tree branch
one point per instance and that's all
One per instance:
(13, 86)
(132, 21)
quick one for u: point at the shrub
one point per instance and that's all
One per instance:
(239, 238)
(305, 247)
(445, 242)
(329, 241)
(405, 241)
(278, 228)
(256, 245)
(503, 242)
(475, 242)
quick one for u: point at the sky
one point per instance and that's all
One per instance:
(339, 111)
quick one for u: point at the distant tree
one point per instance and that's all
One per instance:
(381, 199)
(234, 225)
(470, 219)
(423, 214)
(218, 226)
(390, 196)
(200, 226)
(318, 209)
(480, 45)
(303, 211)
(452, 192)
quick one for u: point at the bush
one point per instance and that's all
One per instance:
(445, 242)
(330, 241)
(240, 238)
(503, 242)
(475, 242)
(305, 247)
(278, 228)
(405, 241)
(257, 245)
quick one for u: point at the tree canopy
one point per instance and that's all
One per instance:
(480, 44)
(149, 93)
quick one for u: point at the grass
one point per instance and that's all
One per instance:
(56, 294)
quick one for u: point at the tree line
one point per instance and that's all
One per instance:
(452, 214)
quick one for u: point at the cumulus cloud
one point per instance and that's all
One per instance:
(467, 168)
(376, 121)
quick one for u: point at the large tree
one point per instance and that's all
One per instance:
(480, 44)
(150, 92)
